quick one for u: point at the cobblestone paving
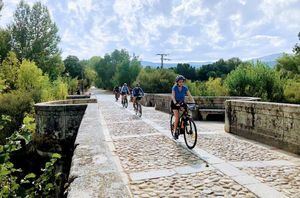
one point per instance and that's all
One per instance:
(138, 128)
(152, 153)
(202, 184)
(233, 149)
(285, 178)
(157, 153)
(120, 118)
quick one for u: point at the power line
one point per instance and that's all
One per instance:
(162, 59)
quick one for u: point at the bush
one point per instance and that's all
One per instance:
(156, 80)
(291, 91)
(60, 89)
(197, 88)
(72, 85)
(9, 70)
(256, 80)
(215, 87)
(14, 104)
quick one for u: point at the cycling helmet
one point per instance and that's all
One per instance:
(125, 84)
(137, 84)
(180, 77)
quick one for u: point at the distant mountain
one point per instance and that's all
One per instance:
(168, 65)
(269, 60)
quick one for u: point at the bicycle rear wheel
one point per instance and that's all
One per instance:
(190, 134)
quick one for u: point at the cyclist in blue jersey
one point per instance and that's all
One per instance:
(137, 93)
(179, 91)
(124, 91)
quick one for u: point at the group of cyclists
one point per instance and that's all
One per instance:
(135, 94)
(179, 91)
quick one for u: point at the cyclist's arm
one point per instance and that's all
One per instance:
(190, 96)
(142, 92)
(173, 97)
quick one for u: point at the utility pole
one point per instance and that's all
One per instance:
(162, 59)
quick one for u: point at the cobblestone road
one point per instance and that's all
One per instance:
(224, 165)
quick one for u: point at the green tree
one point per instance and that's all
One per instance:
(60, 89)
(218, 69)
(296, 49)
(5, 46)
(73, 67)
(288, 65)
(256, 80)
(186, 70)
(156, 80)
(215, 87)
(32, 80)
(35, 37)
(291, 90)
(112, 69)
(9, 71)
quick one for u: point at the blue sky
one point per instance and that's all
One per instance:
(189, 30)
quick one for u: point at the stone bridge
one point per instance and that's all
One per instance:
(121, 155)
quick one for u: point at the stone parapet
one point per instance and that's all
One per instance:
(162, 102)
(275, 124)
(78, 96)
(60, 119)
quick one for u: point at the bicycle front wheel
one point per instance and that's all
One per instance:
(139, 106)
(126, 103)
(172, 122)
(190, 134)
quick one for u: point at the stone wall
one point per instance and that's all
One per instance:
(78, 96)
(60, 119)
(162, 102)
(275, 124)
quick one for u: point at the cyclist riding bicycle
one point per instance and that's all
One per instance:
(124, 91)
(137, 93)
(117, 92)
(179, 91)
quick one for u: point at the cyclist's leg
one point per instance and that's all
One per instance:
(133, 102)
(176, 116)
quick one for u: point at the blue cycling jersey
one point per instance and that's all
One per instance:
(137, 91)
(124, 89)
(180, 95)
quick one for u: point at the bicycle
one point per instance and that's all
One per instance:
(117, 95)
(137, 106)
(186, 125)
(125, 102)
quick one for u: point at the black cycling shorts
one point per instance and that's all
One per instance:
(175, 107)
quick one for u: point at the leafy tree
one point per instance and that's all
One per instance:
(197, 88)
(9, 71)
(218, 69)
(186, 70)
(90, 76)
(156, 80)
(1, 4)
(32, 80)
(296, 49)
(288, 65)
(291, 90)
(14, 104)
(35, 37)
(113, 68)
(215, 87)
(5, 46)
(256, 80)
(60, 89)
(73, 67)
